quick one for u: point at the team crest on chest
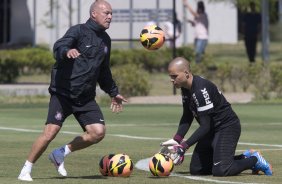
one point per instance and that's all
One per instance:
(105, 48)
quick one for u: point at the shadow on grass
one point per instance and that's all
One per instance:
(158, 177)
(164, 177)
(183, 173)
(77, 177)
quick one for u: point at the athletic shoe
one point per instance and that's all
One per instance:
(248, 153)
(25, 177)
(57, 158)
(262, 164)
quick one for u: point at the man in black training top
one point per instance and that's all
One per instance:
(82, 59)
(219, 130)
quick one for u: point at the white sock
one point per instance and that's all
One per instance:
(27, 167)
(67, 151)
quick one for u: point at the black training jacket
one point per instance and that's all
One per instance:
(77, 78)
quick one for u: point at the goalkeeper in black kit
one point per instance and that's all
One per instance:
(219, 128)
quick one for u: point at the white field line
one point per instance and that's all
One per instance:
(210, 180)
(170, 124)
(127, 136)
(20, 129)
(143, 164)
(255, 144)
(134, 125)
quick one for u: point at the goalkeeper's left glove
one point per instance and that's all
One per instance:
(178, 155)
(168, 145)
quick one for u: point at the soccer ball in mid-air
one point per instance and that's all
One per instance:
(161, 165)
(152, 37)
(104, 163)
(120, 165)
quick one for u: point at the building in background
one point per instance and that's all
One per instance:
(35, 22)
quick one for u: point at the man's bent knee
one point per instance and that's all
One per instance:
(96, 131)
(98, 136)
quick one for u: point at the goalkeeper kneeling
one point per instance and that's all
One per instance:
(219, 128)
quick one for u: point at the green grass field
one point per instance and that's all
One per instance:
(137, 132)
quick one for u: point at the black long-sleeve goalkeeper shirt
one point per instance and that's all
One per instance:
(210, 108)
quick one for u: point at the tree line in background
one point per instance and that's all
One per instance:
(243, 7)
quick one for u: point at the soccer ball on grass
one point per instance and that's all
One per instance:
(161, 165)
(104, 163)
(120, 165)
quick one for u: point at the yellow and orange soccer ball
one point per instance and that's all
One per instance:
(152, 37)
(117, 165)
(161, 165)
(104, 163)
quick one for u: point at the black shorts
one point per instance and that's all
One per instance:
(215, 151)
(61, 107)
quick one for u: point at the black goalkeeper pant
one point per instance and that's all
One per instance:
(215, 154)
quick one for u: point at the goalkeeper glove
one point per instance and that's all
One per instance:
(169, 142)
(178, 155)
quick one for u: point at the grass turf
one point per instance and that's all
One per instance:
(261, 126)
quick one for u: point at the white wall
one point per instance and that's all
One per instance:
(223, 23)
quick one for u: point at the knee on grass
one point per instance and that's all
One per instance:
(200, 171)
(219, 171)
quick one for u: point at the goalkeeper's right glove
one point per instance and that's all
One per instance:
(177, 139)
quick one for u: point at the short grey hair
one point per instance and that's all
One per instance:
(92, 7)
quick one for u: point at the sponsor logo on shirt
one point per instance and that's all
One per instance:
(206, 96)
(207, 99)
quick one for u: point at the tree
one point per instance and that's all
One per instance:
(243, 5)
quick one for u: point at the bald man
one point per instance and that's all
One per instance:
(82, 59)
(219, 128)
